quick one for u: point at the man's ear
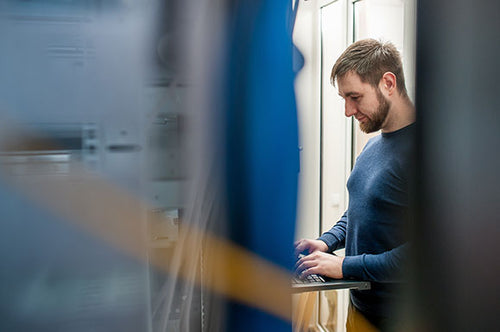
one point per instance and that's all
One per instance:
(388, 83)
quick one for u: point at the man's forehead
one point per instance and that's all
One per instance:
(350, 83)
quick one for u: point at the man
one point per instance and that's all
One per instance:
(370, 79)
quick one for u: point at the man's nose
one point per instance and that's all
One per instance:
(350, 109)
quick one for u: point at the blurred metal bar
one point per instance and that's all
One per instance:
(457, 234)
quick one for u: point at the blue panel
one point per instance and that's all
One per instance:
(262, 143)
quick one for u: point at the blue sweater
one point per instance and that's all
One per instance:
(373, 229)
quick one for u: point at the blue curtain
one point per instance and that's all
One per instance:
(261, 141)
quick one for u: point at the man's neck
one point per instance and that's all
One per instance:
(401, 114)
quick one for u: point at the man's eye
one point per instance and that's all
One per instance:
(354, 98)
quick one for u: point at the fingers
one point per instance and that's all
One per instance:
(320, 263)
(300, 246)
(307, 268)
(307, 246)
(305, 263)
(311, 270)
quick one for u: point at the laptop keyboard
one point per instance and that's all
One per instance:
(312, 278)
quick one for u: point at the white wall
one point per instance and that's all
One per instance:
(307, 87)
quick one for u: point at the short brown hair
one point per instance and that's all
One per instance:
(370, 59)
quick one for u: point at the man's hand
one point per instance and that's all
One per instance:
(309, 246)
(322, 263)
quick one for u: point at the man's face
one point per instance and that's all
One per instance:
(366, 103)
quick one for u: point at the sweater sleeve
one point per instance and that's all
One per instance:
(383, 267)
(335, 237)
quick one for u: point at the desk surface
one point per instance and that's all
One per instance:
(329, 285)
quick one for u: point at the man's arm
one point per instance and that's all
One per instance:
(383, 267)
(335, 237)
(327, 242)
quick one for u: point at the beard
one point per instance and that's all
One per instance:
(375, 122)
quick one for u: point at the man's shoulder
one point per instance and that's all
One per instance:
(373, 141)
